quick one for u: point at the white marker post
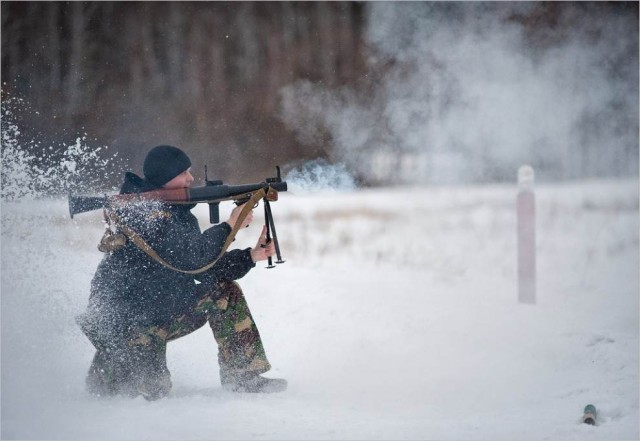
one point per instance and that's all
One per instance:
(526, 236)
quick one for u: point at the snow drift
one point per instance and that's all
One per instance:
(395, 317)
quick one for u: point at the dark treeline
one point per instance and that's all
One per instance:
(209, 77)
(202, 75)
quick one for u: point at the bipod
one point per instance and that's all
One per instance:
(271, 228)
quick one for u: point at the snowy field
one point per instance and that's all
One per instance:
(395, 317)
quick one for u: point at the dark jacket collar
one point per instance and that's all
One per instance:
(135, 184)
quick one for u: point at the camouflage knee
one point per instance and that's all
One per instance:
(240, 347)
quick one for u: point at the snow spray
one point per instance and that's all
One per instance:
(526, 236)
(34, 169)
(45, 271)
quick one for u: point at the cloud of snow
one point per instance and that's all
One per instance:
(33, 169)
(40, 286)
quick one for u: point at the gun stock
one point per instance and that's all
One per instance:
(82, 204)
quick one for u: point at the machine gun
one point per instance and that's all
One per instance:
(212, 193)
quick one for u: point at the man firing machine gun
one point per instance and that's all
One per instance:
(162, 278)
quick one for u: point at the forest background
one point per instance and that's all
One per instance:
(385, 89)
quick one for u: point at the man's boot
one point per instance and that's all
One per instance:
(251, 382)
(109, 374)
(155, 387)
(153, 379)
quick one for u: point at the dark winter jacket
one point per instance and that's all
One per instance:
(131, 291)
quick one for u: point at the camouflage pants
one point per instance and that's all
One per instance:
(141, 368)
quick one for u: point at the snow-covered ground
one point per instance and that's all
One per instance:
(395, 317)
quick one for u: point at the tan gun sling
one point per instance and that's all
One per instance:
(144, 246)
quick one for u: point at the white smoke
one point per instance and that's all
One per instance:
(319, 176)
(462, 94)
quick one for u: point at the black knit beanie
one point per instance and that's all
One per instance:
(163, 163)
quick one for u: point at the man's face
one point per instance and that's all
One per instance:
(183, 180)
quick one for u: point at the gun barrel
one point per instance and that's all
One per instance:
(209, 193)
(221, 192)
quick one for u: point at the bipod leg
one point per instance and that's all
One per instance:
(267, 207)
(267, 212)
